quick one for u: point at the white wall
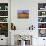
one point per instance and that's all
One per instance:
(23, 24)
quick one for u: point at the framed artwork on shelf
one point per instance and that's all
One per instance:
(42, 33)
(4, 29)
(3, 19)
(41, 6)
(23, 14)
(41, 25)
(41, 13)
(41, 19)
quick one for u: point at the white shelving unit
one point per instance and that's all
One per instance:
(42, 18)
(4, 23)
(41, 10)
(41, 28)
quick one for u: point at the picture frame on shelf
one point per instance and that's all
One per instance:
(41, 13)
(3, 19)
(41, 19)
(4, 29)
(41, 6)
(42, 32)
(41, 25)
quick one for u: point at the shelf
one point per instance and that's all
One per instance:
(3, 16)
(41, 22)
(42, 37)
(42, 16)
(41, 10)
(3, 10)
(3, 22)
(41, 28)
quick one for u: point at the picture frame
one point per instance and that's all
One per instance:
(42, 33)
(23, 14)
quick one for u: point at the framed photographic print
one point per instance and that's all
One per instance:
(23, 14)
